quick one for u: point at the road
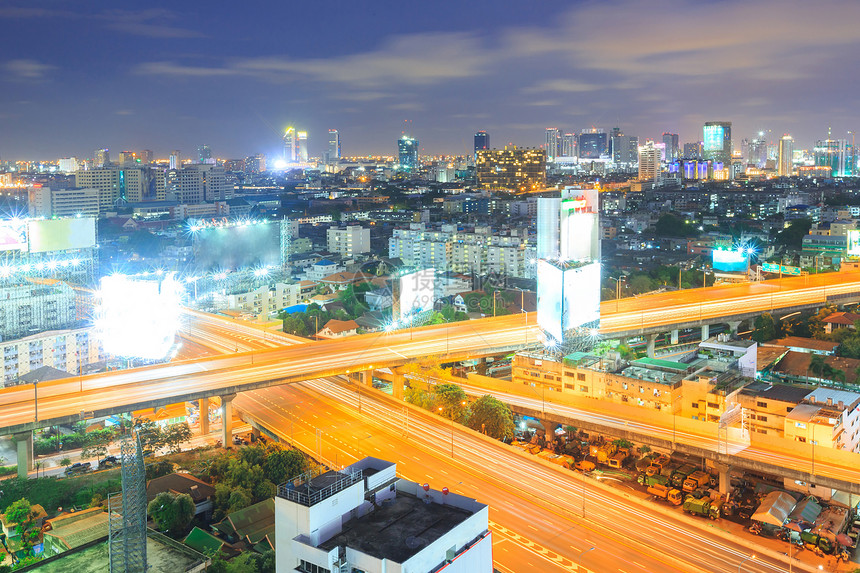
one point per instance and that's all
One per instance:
(226, 335)
(177, 381)
(536, 512)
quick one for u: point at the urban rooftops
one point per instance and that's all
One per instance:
(313, 487)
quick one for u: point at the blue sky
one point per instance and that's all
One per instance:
(78, 76)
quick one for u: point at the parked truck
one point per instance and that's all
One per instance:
(648, 481)
(681, 473)
(605, 452)
(664, 492)
(705, 506)
(696, 480)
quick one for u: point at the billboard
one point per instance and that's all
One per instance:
(854, 243)
(138, 318)
(714, 137)
(417, 293)
(567, 297)
(783, 269)
(61, 234)
(13, 235)
(243, 246)
(733, 261)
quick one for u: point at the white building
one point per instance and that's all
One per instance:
(649, 161)
(828, 418)
(321, 269)
(68, 350)
(29, 309)
(363, 518)
(349, 241)
(67, 164)
(265, 300)
(48, 203)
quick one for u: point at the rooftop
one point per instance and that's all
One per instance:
(808, 343)
(843, 318)
(779, 392)
(178, 483)
(398, 529)
(312, 487)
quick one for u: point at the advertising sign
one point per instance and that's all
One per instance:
(61, 234)
(13, 235)
(854, 243)
(567, 297)
(729, 260)
(417, 292)
(550, 280)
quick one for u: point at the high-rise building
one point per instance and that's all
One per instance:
(197, 183)
(101, 157)
(482, 141)
(204, 153)
(786, 155)
(175, 160)
(68, 164)
(670, 140)
(333, 153)
(568, 145)
(407, 153)
(717, 144)
(511, 168)
(291, 150)
(836, 154)
(48, 203)
(757, 148)
(649, 162)
(127, 158)
(693, 150)
(255, 164)
(552, 143)
(625, 148)
(348, 241)
(593, 144)
(302, 152)
(145, 157)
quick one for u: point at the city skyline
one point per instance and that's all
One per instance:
(166, 78)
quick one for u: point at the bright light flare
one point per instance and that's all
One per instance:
(138, 318)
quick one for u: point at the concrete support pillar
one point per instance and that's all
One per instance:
(549, 429)
(734, 325)
(203, 411)
(725, 481)
(652, 339)
(397, 386)
(706, 331)
(24, 442)
(365, 377)
(674, 337)
(227, 420)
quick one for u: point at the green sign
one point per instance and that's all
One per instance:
(775, 268)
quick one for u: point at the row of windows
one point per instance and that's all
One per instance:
(308, 567)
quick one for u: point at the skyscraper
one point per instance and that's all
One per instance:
(593, 143)
(718, 144)
(302, 148)
(568, 145)
(407, 153)
(837, 154)
(290, 145)
(511, 168)
(333, 145)
(758, 150)
(175, 160)
(482, 141)
(145, 156)
(101, 157)
(204, 153)
(670, 140)
(649, 162)
(693, 150)
(552, 143)
(786, 154)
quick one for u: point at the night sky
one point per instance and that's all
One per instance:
(76, 76)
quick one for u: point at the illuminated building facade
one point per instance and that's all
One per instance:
(302, 146)
(693, 150)
(204, 153)
(101, 157)
(511, 168)
(786, 154)
(670, 140)
(568, 145)
(333, 152)
(717, 144)
(552, 143)
(290, 145)
(649, 162)
(757, 151)
(837, 155)
(48, 203)
(407, 153)
(625, 148)
(593, 144)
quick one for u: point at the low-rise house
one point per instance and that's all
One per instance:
(72, 530)
(338, 329)
(201, 492)
(254, 526)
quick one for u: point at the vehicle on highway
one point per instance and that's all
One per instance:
(78, 468)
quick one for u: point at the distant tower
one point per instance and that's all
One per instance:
(290, 145)
(407, 153)
(649, 162)
(482, 141)
(786, 155)
(175, 160)
(568, 145)
(758, 150)
(204, 153)
(670, 140)
(553, 142)
(101, 157)
(333, 145)
(302, 147)
(718, 144)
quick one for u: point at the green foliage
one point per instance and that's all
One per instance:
(669, 225)
(158, 468)
(97, 444)
(450, 314)
(171, 512)
(174, 435)
(282, 464)
(493, 417)
(764, 328)
(644, 449)
(149, 433)
(22, 515)
(792, 236)
(420, 398)
(65, 462)
(451, 398)
(247, 562)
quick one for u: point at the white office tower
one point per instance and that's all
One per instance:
(786, 155)
(363, 518)
(302, 150)
(649, 162)
(568, 271)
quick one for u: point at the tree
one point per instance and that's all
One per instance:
(451, 398)
(622, 443)
(641, 284)
(149, 433)
(176, 434)
(669, 225)
(764, 328)
(65, 462)
(792, 236)
(283, 464)
(816, 365)
(493, 417)
(171, 512)
(21, 514)
(97, 444)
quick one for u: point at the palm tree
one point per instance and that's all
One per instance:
(816, 365)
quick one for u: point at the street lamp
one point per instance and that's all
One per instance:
(582, 556)
(751, 557)
(618, 282)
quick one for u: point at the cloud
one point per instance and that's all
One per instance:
(560, 85)
(27, 69)
(149, 23)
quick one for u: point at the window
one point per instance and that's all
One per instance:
(568, 386)
(583, 388)
(713, 405)
(580, 376)
(696, 405)
(761, 418)
(308, 567)
(801, 425)
(761, 404)
(624, 385)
